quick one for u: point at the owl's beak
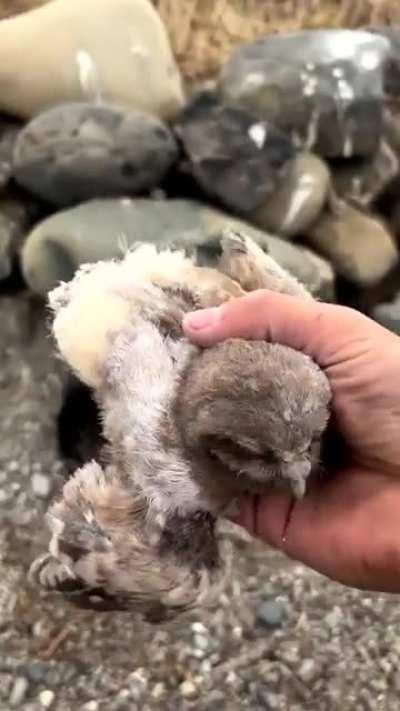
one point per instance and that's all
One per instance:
(296, 473)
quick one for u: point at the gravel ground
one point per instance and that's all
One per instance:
(282, 638)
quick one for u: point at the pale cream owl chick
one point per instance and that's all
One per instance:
(188, 430)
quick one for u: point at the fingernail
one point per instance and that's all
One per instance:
(199, 320)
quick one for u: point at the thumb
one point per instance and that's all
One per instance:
(318, 329)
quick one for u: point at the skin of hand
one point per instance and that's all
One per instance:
(348, 525)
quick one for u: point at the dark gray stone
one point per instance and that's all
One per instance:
(231, 153)
(391, 81)
(37, 671)
(78, 151)
(271, 613)
(324, 87)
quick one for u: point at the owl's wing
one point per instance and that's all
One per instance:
(105, 554)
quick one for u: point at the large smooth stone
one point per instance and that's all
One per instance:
(358, 245)
(232, 155)
(323, 87)
(362, 181)
(103, 229)
(75, 152)
(88, 50)
(298, 199)
(392, 65)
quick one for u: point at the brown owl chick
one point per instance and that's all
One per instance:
(187, 430)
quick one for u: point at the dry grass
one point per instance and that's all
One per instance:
(13, 7)
(204, 32)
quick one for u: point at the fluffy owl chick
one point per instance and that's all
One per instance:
(187, 430)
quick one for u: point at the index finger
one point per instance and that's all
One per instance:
(317, 329)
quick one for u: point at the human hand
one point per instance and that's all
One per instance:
(348, 525)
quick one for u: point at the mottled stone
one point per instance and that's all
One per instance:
(101, 229)
(15, 218)
(233, 156)
(8, 135)
(115, 51)
(358, 245)
(323, 87)
(78, 151)
(388, 314)
(298, 199)
(361, 181)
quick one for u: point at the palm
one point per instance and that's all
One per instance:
(338, 528)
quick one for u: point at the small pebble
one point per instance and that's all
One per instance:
(18, 691)
(206, 667)
(199, 628)
(138, 682)
(46, 698)
(201, 642)
(188, 689)
(308, 670)
(37, 671)
(270, 614)
(237, 632)
(231, 677)
(91, 706)
(4, 496)
(41, 485)
(158, 691)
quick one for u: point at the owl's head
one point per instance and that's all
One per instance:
(258, 409)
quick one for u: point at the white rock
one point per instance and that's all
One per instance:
(41, 485)
(188, 689)
(46, 698)
(201, 642)
(308, 670)
(115, 51)
(91, 706)
(18, 691)
(158, 691)
(199, 628)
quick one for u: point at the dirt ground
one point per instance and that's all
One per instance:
(281, 638)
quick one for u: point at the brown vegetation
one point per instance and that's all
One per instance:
(204, 32)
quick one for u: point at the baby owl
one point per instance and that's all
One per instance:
(187, 430)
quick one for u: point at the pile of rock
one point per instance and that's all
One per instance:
(298, 141)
